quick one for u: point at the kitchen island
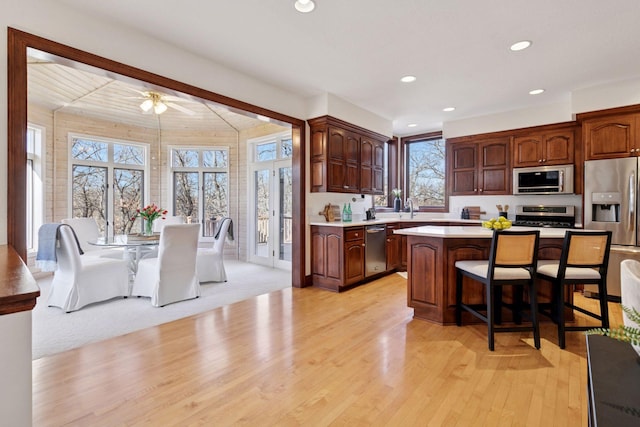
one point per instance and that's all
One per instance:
(432, 252)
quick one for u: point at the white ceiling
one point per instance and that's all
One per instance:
(359, 49)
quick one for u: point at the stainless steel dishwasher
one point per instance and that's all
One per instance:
(375, 249)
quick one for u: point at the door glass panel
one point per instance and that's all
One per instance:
(186, 195)
(215, 200)
(266, 151)
(261, 202)
(89, 194)
(127, 197)
(286, 214)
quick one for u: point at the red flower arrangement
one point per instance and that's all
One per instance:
(150, 213)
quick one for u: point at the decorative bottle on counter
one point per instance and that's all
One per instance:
(349, 212)
(396, 204)
(344, 213)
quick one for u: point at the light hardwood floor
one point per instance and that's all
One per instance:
(311, 357)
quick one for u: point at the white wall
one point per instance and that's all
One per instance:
(15, 369)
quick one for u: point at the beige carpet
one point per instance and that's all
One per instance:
(55, 331)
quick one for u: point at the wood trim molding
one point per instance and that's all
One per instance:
(18, 288)
(19, 41)
(329, 120)
(512, 132)
(629, 109)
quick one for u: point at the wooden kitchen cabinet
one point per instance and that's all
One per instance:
(337, 256)
(345, 158)
(394, 248)
(611, 137)
(479, 168)
(544, 148)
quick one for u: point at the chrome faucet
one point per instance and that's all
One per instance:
(410, 203)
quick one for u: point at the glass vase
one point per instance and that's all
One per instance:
(396, 204)
(148, 228)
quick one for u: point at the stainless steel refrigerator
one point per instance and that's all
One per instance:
(611, 203)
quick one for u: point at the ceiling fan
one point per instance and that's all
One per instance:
(155, 102)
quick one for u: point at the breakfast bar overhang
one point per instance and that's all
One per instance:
(432, 252)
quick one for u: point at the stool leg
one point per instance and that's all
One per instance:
(490, 313)
(604, 306)
(497, 305)
(458, 297)
(517, 304)
(558, 290)
(533, 301)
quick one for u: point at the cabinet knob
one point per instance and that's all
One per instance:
(544, 160)
(481, 190)
(632, 150)
(345, 186)
(475, 189)
(363, 245)
(540, 161)
(357, 235)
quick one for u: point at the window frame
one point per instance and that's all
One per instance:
(111, 166)
(36, 188)
(391, 173)
(404, 143)
(201, 171)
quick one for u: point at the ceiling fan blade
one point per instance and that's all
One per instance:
(180, 108)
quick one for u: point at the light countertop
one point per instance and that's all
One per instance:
(394, 221)
(453, 232)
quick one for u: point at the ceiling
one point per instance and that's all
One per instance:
(359, 49)
(63, 86)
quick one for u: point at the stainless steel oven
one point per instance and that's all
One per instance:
(545, 216)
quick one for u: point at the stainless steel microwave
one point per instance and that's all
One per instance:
(543, 180)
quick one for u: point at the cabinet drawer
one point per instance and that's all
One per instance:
(354, 234)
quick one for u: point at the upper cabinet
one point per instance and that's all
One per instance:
(611, 136)
(544, 148)
(345, 158)
(479, 167)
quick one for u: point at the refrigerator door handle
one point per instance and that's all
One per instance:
(561, 181)
(632, 200)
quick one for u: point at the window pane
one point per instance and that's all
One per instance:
(185, 158)
(214, 158)
(127, 197)
(286, 149)
(89, 150)
(128, 154)
(286, 214)
(266, 152)
(89, 194)
(185, 190)
(215, 200)
(426, 169)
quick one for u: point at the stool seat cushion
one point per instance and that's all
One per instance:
(480, 268)
(550, 268)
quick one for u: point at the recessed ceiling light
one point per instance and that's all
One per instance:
(304, 6)
(408, 79)
(412, 125)
(449, 109)
(521, 45)
(536, 91)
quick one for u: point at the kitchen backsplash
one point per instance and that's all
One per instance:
(359, 204)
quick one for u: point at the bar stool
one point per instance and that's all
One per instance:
(584, 259)
(512, 262)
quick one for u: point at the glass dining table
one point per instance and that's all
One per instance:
(135, 247)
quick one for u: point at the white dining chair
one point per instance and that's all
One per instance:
(159, 224)
(630, 291)
(78, 280)
(87, 230)
(170, 277)
(210, 261)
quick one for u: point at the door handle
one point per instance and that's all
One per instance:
(632, 200)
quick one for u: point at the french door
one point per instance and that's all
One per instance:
(271, 214)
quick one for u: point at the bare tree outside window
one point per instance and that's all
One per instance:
(426, 172)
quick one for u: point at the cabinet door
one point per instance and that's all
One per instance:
(463, 162)
(353, 262)
(378, 167)
(527, 151)
(494, 170)
(352, 163)
(610, 137)
(558, 147)
(394, 251)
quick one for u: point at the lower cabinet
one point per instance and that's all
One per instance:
(394, 248)
(337, 256)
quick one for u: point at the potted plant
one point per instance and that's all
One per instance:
(623, 333)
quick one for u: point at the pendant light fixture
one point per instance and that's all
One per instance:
(304, 6)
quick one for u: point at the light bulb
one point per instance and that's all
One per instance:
(159, 108)
(304, 6)
(146, 105)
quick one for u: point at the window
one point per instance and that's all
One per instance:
(107, 179)
(424, 176)
(200, 185)
(390, 174)
(35, 184)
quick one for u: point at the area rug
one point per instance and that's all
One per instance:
(55, 331)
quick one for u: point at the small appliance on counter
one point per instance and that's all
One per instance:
(370, 214)
(545, 216)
